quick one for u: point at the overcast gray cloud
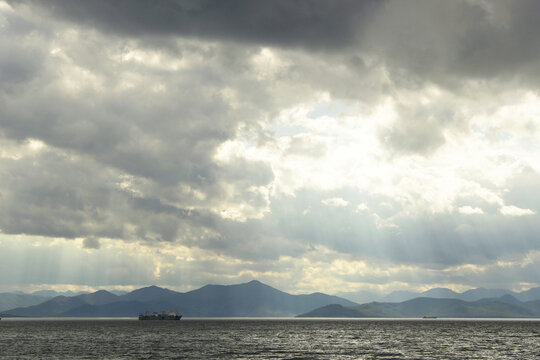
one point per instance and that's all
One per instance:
(320, 24)
(316, 145)
(471, 39)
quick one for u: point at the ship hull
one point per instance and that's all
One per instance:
(160, 317)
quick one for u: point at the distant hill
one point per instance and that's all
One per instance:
(481, 293)
(360, 297)
(249, 299)
(54, 307)
(440, 293)
(252, 299)
(13, 300)
(61, 304)
(115, 309)
(505, 307)
(334, 310)
(437, 293)
(118, 292)
(444, 293)
(54, 293)
(151, 293)
(528, 295)
(399, 296)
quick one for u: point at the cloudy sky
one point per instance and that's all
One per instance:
(313, 145)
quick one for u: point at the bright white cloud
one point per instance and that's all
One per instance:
(512, 210)
(335, 202)
(468, 210)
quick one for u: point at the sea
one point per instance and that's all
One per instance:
(243, 338)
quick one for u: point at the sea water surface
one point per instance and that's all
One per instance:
(269, 339)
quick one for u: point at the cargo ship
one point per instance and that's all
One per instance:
(164, 315)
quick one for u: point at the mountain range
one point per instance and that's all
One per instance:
(11, 300)
(505, 306)
(253, 299)
(441, 293)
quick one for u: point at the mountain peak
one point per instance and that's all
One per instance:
(509, 299)
(102, 291)
(151, 288)
(148, 293)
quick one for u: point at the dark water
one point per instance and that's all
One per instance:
(269, 339)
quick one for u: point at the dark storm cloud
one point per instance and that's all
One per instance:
(432, 39)
(473, 39)
(316, 24)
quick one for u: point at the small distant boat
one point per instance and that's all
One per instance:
(164, 315)
(429, 317)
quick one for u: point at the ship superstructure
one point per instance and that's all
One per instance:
(163, 315)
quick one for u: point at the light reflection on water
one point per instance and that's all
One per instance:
(197, 338)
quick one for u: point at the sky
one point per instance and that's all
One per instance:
(333, 146)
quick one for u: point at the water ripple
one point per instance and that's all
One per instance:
(269, 339)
